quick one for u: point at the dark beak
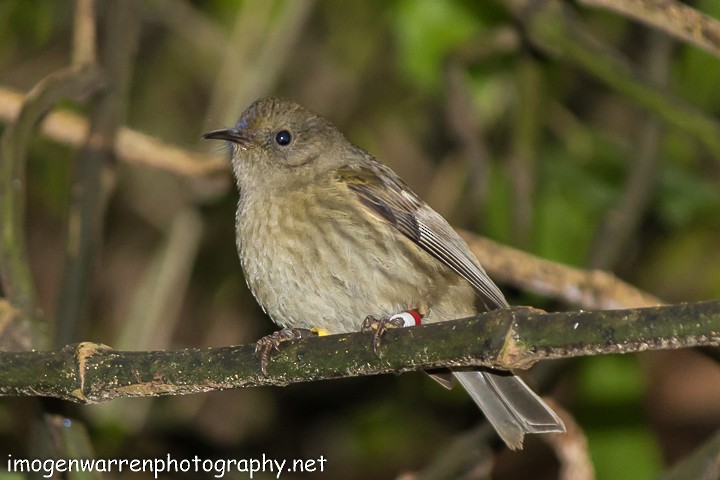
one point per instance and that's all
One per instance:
(230, 134)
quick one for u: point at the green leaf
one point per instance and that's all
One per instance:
(624, 454)
(426, 31)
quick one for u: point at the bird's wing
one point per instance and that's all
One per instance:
(385, 194)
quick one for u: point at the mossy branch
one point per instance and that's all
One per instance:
(511, 338)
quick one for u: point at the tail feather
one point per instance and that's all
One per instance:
(509, 405)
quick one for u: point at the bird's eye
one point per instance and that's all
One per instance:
(283, 138)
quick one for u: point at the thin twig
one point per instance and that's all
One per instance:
(523, 159)
(66, 439)
(584, 288)
(154, 309)
(671, 16)
(255, 55)
(465, 125)
(622, 222)
(192, 24)
(571, 448)
(84, 50)
(16, 332)
(93, 184)
(131, 146)
(467, 456)
(71, 82)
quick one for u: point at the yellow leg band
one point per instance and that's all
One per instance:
(320, 332)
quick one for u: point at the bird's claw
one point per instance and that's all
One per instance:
(264, 346)
(379, 326)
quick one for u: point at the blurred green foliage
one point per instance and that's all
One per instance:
(426, 32)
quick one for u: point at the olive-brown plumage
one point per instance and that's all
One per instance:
(327, 235)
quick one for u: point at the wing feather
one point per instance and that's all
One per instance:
(383, 192)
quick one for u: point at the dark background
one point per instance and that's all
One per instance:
(503, 134)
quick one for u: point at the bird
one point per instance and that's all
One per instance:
(331, 238)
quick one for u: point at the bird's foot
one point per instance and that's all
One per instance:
(264, 346)
(379, 326)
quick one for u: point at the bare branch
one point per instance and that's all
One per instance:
(585, 288)
(131, 146)
(84, 34)
(93, 171)
(509, 338)
(671, 16)
(72, 82)
(570, 448)
(622, 222)
(257, 52)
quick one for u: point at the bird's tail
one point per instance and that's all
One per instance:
(510, 406)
